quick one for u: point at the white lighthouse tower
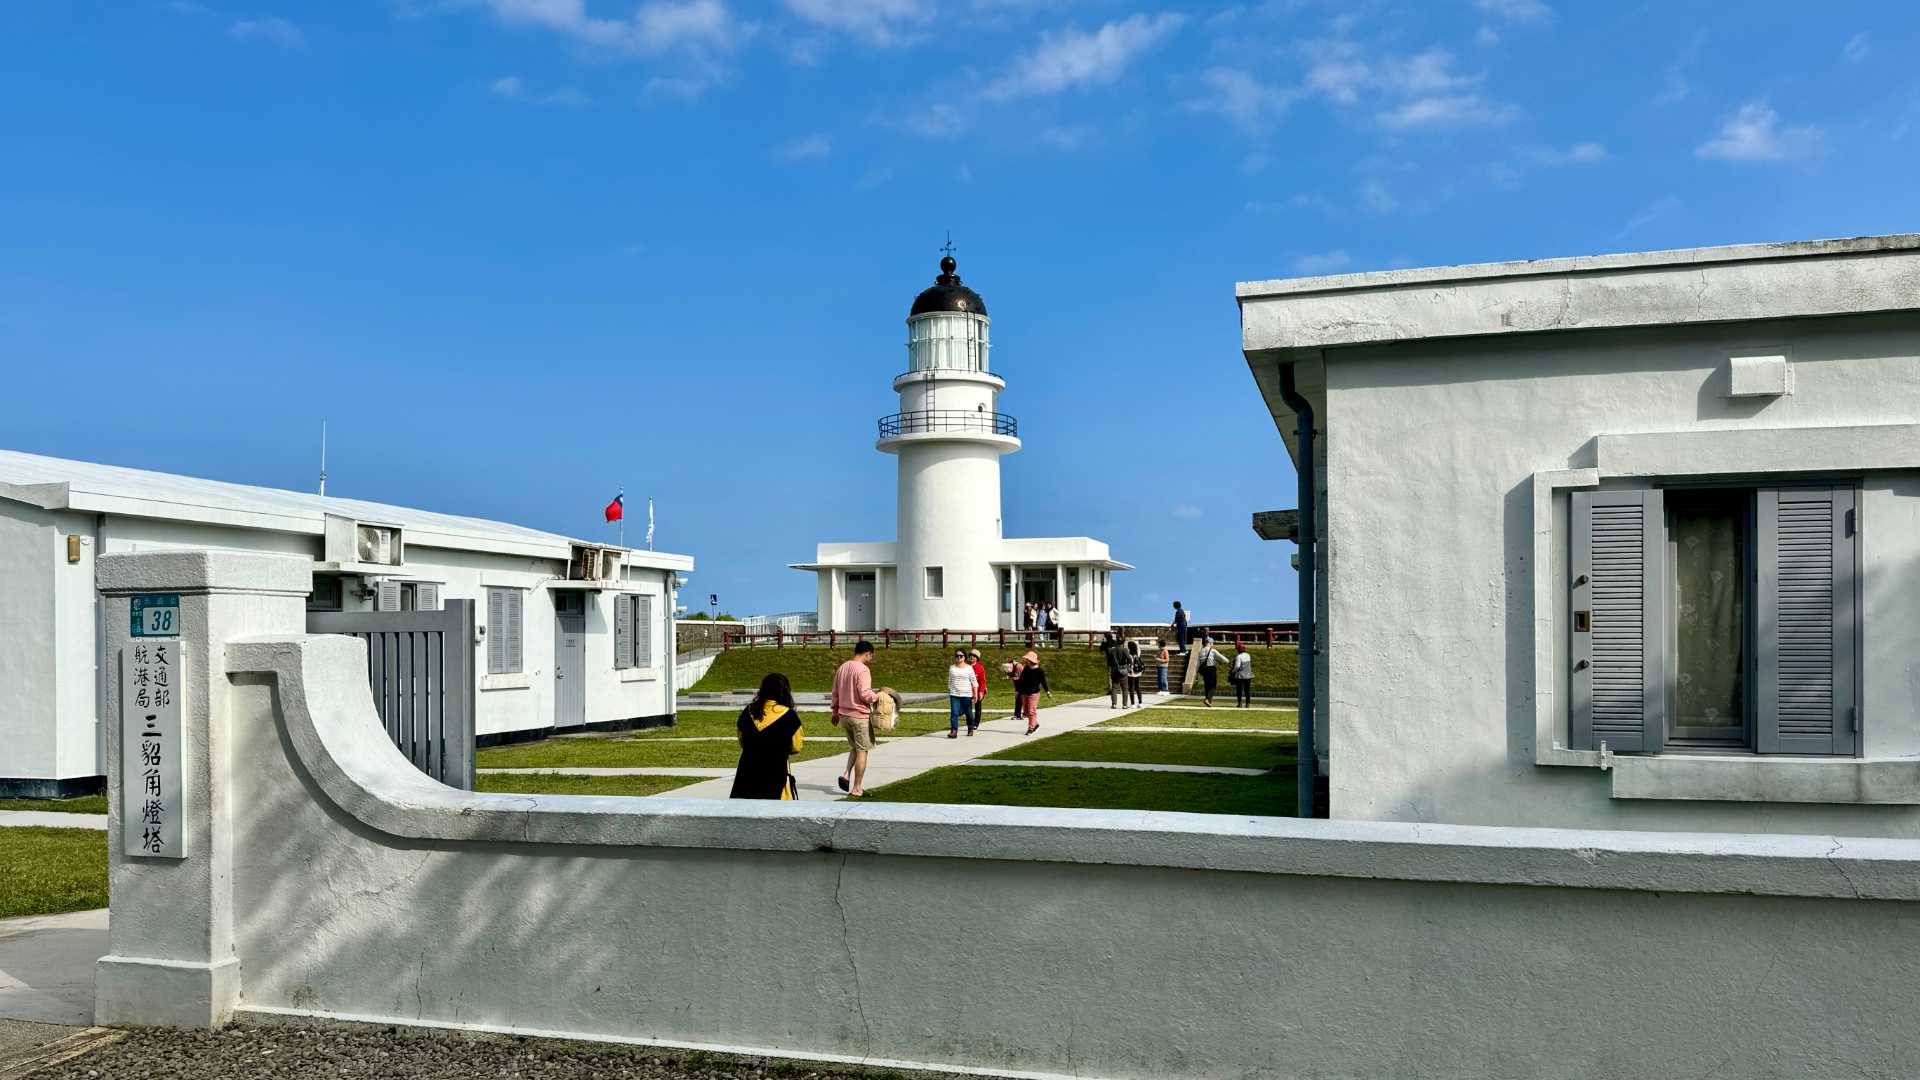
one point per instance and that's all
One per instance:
(950, 567)
(949, 435)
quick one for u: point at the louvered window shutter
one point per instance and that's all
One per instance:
(1619, 628)
(516, 600)
(1805, 621)
(426, 596)
(496, 631)
(389, 596)
(643, 631)
(623, 630)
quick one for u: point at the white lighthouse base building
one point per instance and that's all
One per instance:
(951, 568)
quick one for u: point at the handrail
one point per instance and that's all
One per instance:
(1002, 638)
(934, 420)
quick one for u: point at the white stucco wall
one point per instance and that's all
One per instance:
(1430, 693)
(29, 744)
(1222, 946)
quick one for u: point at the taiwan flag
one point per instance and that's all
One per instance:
(617, 509)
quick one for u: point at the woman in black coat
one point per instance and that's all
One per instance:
(770, 733)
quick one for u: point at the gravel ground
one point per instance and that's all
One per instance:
(364, 1052)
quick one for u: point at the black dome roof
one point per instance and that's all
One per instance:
(947, 294)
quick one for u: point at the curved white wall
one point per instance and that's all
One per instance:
(949, 516)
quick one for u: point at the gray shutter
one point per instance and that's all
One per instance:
(516, 601)
(496, 631)
(1805, 621)
(389, 596)
(426, 596)
(1619, 660)
(623, 630)
(643, 631)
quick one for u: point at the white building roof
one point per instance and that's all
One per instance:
(62, 484)
(1013, 551)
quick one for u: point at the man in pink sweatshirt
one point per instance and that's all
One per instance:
(853, 698)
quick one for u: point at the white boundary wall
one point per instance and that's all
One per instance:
(328, 878)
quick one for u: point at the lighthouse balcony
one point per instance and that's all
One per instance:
(942, 421)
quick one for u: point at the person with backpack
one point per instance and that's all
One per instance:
(1133, 670)
(1242, 677)
(770, 732)
(1180, 621)
(1115, 652)
(1029, 679)
(1210, 661)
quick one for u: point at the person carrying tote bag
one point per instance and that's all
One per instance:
(770, 732)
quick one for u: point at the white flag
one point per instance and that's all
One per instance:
(649, 524)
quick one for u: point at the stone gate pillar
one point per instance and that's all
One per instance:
(169, 615)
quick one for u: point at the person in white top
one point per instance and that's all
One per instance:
(1241, 675)
(961, 684)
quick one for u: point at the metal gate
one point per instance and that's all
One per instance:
(421, 673)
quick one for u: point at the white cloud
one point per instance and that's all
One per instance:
(514, 88)
(1516, 10)
(1581, 153)
(873, 178)
(938, 120)
(1661, 207)
(273, 30)
(1241, 97)
(1073, 58)
(1487, 36)
(1857, 48)
(1329, 262)
(816, 147)
(682, 88)
(653, 28)
(185, 7)
(1186, 511)
(876, 22)
(1067, 136)
(1445, 111)
(1376, 196)
(1753, 135)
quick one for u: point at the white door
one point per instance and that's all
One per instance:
(569, 662)
(860, 603)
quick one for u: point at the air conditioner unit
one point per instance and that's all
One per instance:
(355, 545)
(593, 564)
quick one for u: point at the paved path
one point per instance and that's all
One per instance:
(46, 966)
(1223, 770)
(49, 820)
(637, 770)
(901, 758)
(1145, 729)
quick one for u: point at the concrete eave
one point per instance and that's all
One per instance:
(1851, 276)
(840, 566)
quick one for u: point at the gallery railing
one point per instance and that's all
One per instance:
(939, 420)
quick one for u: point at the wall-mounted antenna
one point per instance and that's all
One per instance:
(323, 457)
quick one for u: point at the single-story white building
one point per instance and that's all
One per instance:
(551, 652)
(1630, 541)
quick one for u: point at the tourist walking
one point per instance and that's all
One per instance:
(1180, 625)
(1161, 662)
(960, 690)
(1028, 616)
(979, 691)
(770, 732)
(1053, 621)
(1241, 676)
(1028, 681)
(1115, 652)
(1210, 662)
(1042, 621)
(852, 705)
(1133, 670)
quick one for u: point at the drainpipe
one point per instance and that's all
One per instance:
(1307, 771)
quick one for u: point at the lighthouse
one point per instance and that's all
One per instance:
(951, 566)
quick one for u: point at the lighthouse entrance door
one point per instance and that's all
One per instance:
(1037, 585)
(860, 603)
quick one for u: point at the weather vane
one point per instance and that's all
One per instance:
(948, 247)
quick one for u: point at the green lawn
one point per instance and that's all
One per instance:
(715, 722)
(1145, 748)
(1077, 669)
(84, 804)
(1276, 672)
(545, 784)
(626, 753)
(1112, 789)
(1206, 718)
(47, 871)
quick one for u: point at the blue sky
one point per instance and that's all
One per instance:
(523, 253)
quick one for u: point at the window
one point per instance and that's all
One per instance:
(936, 582)
(504, 616)
(1006, 590)
(632, 630)
(1073, 588)
(326, 594)
(1714, 618)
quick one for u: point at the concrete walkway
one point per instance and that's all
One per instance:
(46, 966)
(902, 758)
(1144, 729)
(46, 820)
(636, 770)
(1222, 770)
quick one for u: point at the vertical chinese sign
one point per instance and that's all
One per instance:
(151, 796)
